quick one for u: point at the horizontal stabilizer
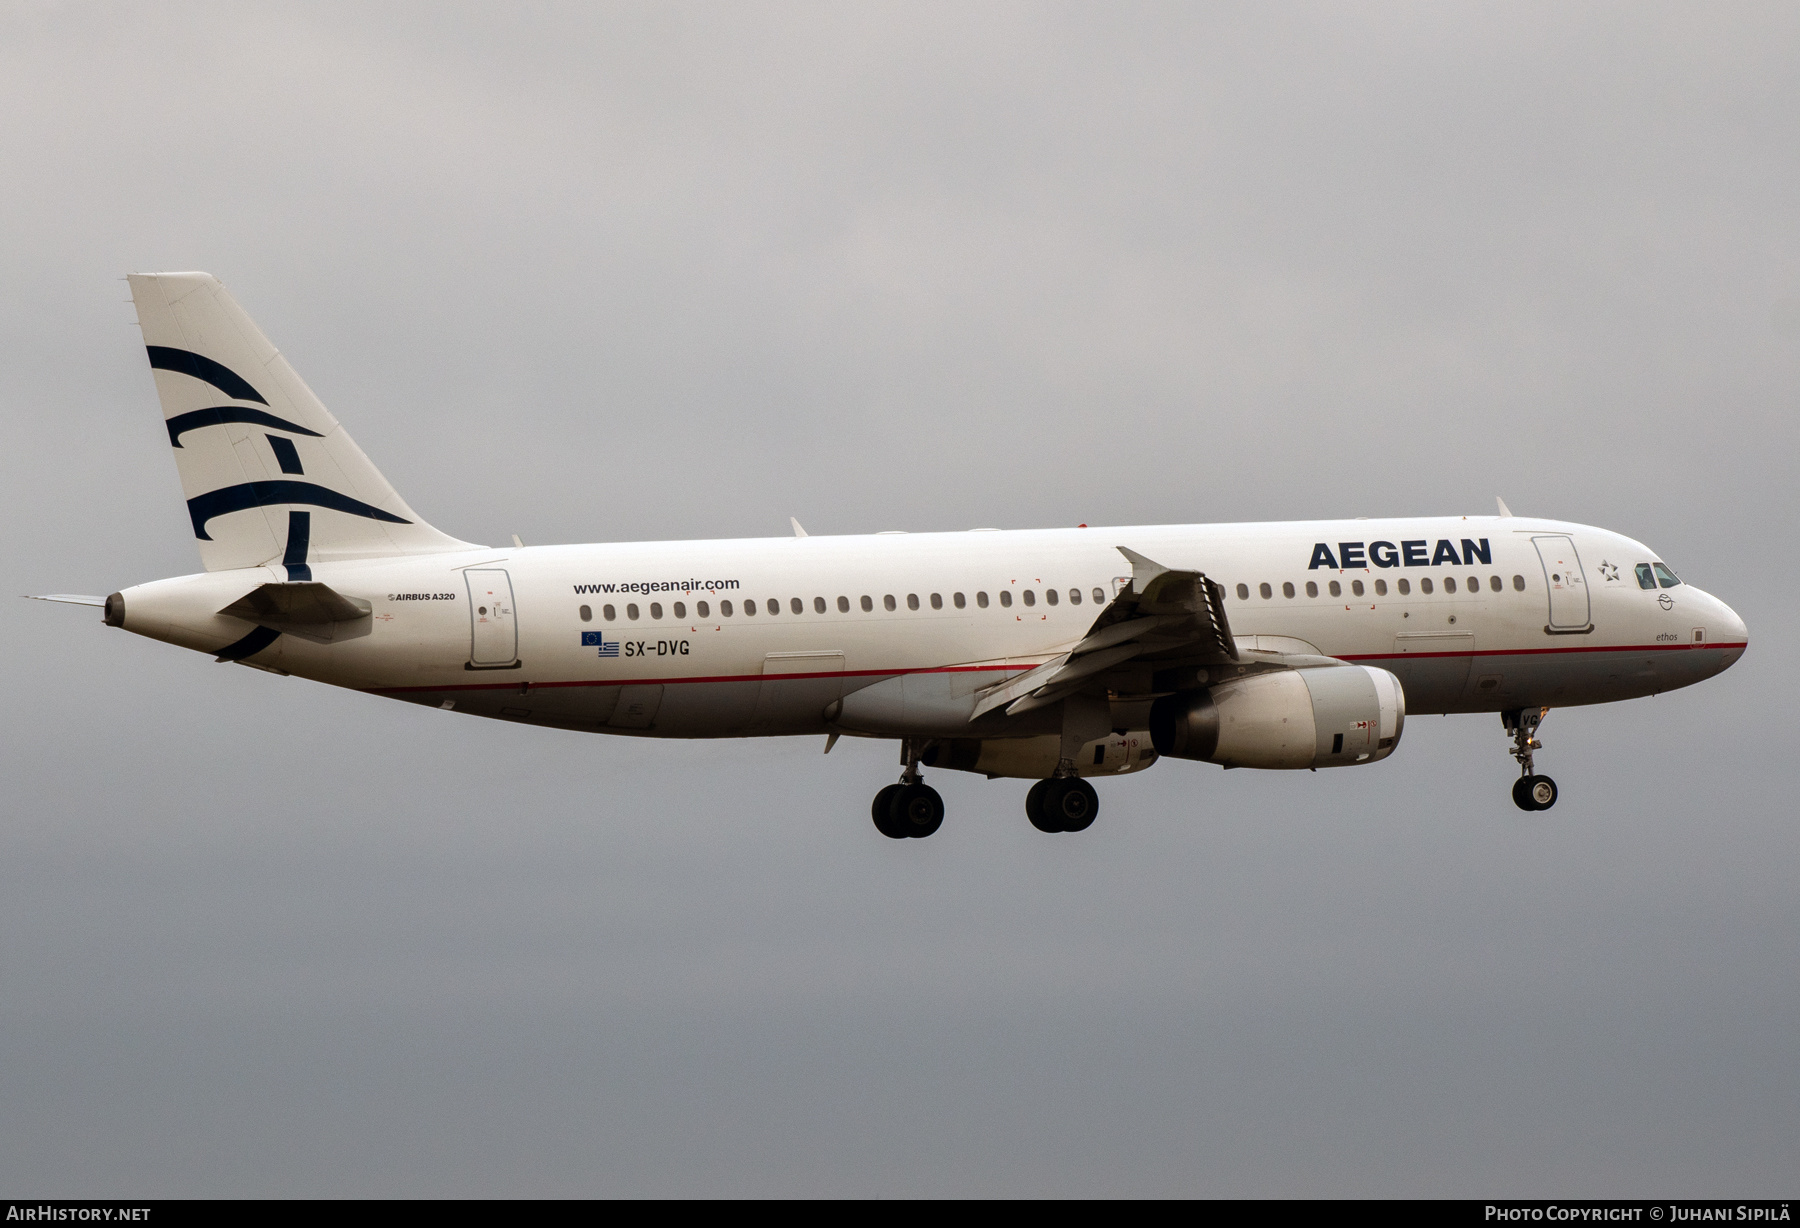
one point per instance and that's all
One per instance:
(308, 609)
(306, 602)
(70, 599)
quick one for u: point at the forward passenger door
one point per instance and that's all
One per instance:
(1570, 613)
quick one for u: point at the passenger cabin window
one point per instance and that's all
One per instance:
(888, 603)
(1518, 584)
(981, 600)
(937, 601)
(1287, 588)
(680, 609)
(656, 611)
(1006, 598)
(611, 615)
(1494, 583)
(1337, 590)
(868, 603)
(1074, 596)
(843, 605)
(631, 611)
(1404, 585)
(1099, 596)
(1312, 590)
(797, 606)
(1356, 588)
(725, 608)
(1050, 595)
(587, 614)
(912, 601)
(750, 608)
(1645, 577)
(1449, 584)
(1474, 584)
(1380, 588)
(1425, 584)
(1030, 597)
(702, 609)
(957, 600)
(1265, 590)
(1243, 592)
(818, 605)
(774, 606)
(1668, 578)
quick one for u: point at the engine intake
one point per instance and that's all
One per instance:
(1333, 716)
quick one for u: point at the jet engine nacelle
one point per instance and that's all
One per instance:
(1333, 716)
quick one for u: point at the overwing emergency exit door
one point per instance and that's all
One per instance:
(493, 628)
(1569, 612)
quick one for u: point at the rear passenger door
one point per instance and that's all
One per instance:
(493, 631)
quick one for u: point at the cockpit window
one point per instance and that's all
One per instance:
(1669, 579)
(1646, 577)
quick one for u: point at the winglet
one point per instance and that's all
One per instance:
(1143, 570)
(798, 531)
(1504, 510)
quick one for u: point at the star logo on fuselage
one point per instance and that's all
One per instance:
(1609, 571)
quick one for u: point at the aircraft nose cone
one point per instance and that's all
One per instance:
(1730, 629)
(1734, 630)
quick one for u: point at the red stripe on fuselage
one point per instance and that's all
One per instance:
(1545, 652)
(836, 673)
(969, 669)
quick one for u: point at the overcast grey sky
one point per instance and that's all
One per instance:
(611, 272)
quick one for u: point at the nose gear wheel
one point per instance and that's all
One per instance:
(1530, 791)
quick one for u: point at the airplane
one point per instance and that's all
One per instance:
(1060, 656)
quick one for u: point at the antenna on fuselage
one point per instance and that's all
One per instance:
(1504, 510)
(798, 531)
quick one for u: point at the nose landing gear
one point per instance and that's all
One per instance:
(1530, 791)
(910, 809)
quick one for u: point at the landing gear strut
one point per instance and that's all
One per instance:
(1530, 791)
(1062, 803)
(910, 809)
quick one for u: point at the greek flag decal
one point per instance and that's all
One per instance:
(597, 639)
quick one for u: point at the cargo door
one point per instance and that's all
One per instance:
(797, 686)
(1433, 666)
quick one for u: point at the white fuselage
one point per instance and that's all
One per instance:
(635, 638)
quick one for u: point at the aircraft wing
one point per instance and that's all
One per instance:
(1164, 615)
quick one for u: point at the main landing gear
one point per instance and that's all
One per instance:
(1062, 803)
(911, 809)
(1530, 791)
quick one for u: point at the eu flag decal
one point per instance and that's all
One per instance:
(597, 639)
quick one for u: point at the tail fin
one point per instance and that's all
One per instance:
(269, 475)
